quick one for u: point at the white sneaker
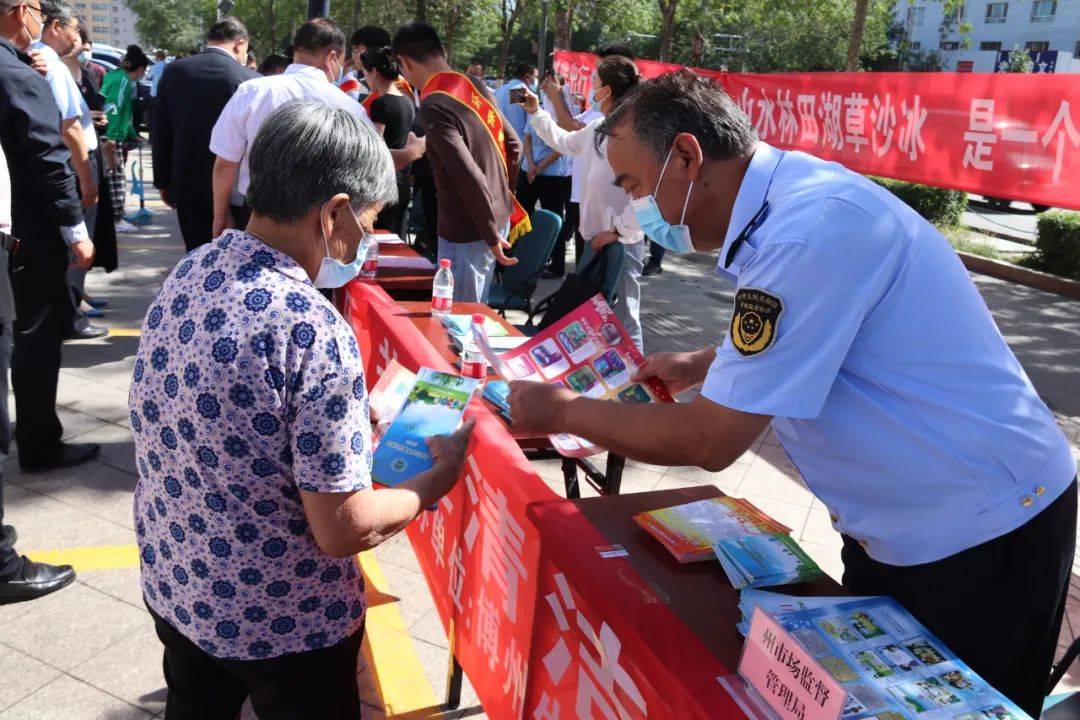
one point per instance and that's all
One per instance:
(125, 227)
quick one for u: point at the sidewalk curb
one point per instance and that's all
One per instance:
(1021, 275)
(1000, 235)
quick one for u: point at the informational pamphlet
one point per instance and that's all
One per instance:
(497, 392)
(587, 351)
(765, 560)
(690, 531)
(434, 406)
(890, 665)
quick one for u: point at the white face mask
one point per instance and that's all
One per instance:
(41, 27)
(332, 272)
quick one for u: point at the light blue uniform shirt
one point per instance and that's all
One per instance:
(891, 388)
(562, 167)
(154, 74)
(514, 114)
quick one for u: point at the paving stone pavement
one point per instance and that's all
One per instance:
(89, 651)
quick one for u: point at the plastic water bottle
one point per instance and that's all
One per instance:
(442, 290)
(370, 247)
(473, 362)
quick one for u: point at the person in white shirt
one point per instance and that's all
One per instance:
(605, 213)
(318, 62)
(58, 38)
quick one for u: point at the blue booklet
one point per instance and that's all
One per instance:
(434, 407)
(764, 560)
(498, 393)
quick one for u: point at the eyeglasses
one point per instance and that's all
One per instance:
(38, 11)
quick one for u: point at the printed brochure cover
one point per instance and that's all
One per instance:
(765, 560)
(434, 407)
(891, 666)
(689, 531)
(587, 351)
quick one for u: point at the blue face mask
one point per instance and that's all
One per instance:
(594, 103)
(332, 272)
(675, 238)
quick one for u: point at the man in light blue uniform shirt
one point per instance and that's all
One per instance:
(525, 76)
(859, 335)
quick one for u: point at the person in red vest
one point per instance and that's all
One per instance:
(474, 155)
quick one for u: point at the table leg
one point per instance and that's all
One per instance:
(454, 677)
(569, 470)
(613, 477)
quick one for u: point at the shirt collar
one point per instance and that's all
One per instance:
(751, 195)
(221, 50)
(45, 50)
(252, 249)
(307, 70)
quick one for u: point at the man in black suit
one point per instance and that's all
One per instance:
(47, 217)
(191, 94)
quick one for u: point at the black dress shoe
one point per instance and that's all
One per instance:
(89, 332)
(67, 454)
(651, 268)
(34, 580)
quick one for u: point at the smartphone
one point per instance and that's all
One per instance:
(517, 96)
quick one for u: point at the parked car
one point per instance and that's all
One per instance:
(1004, 204)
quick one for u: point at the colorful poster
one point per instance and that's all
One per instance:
(434, 407)
(887, 661)
(589, 352)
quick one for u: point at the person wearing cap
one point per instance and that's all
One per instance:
(119, 90)
(858, 335)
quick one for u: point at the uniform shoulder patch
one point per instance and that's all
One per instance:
(755, 320)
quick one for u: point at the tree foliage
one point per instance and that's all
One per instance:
(770, 35)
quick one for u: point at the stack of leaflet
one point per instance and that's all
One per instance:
(753, 549)
(889, 664)
(497, 392)
(765, 560)
(461, 334)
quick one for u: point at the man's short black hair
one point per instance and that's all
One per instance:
(227, 29)
(608, 50)
(370, 36)
(683, 102)
(523, 69)
(318, 35)
(273, 64)
(417, 41)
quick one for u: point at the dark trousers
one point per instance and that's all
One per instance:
(573, 210)
(196, 218)
(998, 605)
(553, 194)
(656, 253)
(428, 239)
(392, 217)
(9, 559)
(314, 684)
(44, 317)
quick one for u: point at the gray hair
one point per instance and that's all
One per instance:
(306, 152)
(57, 11)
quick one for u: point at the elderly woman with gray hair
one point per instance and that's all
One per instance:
(250, 417)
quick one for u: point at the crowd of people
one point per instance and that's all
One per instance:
(856, 333)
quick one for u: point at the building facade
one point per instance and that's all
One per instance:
(109, 22)
(1048, 29)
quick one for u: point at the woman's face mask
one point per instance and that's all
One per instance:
(334, 273)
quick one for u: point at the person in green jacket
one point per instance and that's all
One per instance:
(119, 90)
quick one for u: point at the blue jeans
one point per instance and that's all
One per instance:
(629, 308)
(473, 266)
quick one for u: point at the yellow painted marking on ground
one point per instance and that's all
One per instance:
(124, 332)
(102, 557)
(389, 650)
(393, 661)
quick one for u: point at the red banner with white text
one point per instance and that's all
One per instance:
(1005, 135)
(477, 550)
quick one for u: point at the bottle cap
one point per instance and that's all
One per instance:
(445, 262)
(478, 318)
